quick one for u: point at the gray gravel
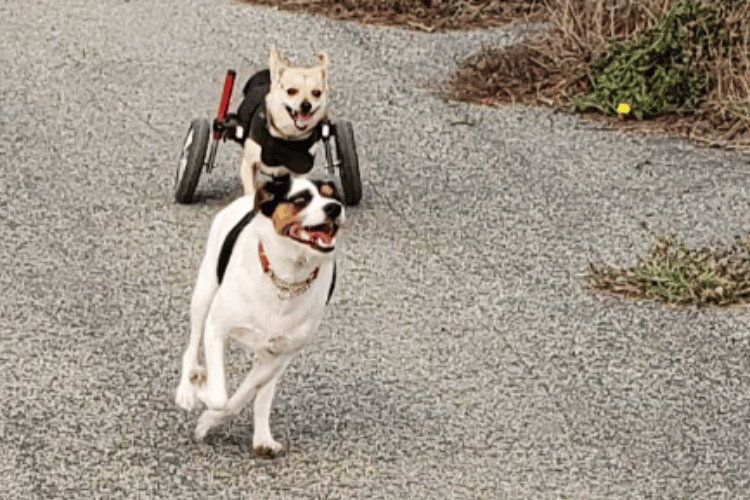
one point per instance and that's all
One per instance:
(460, 357)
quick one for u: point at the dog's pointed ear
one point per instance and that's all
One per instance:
(323, 59)
(323, 62)
(275, 64)
(271, 192)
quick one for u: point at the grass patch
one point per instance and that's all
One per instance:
(424, 15)
(676, 274)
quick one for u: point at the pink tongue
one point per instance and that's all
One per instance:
(302, 120)
(321, 236)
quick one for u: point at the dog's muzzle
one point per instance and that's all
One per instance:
(304, 117)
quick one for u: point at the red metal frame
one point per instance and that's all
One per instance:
(226, 96)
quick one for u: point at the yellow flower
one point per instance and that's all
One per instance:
(623, 108)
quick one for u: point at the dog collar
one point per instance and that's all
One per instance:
(287, 290)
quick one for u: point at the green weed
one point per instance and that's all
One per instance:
(657, 71)
(677, 274)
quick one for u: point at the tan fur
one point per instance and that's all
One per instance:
(290, 86)
(284, 216)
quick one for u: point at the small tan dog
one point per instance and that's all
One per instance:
(283, 107)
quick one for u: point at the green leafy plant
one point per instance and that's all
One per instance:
(676, 274)
(656, 72)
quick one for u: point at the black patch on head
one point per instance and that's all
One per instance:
(272, 193)
(301, 199)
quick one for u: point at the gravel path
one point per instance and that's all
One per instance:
(460, 357)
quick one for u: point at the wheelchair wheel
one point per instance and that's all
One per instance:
(191, 160)
(349, 163)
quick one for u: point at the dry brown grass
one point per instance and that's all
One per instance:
(553, 69)
(425, 15)
(724, 117)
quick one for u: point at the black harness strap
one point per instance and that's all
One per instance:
(254, 95)
(228, 245)
(333, 284)
(294, 155)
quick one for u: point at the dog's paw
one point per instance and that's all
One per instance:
(185, 397)
(198, 376)
(267, 448)
(208, 420)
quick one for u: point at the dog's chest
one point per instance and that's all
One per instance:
(262, 320)
(277, 332)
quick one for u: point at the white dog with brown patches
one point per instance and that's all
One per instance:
(267, 275)
(280, 113)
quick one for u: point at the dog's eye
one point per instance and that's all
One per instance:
(292, 91)
(317, 93)
(301, 200)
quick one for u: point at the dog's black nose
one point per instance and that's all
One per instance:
(332, 210)
(305, 106)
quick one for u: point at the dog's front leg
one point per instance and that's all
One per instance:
(214, 392)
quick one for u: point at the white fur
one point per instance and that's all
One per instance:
(246, 306)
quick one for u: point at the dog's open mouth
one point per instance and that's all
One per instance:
(320, 237)
(301, 119)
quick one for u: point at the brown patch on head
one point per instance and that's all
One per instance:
(284, 216)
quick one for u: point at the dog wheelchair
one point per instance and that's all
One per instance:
(341, 156)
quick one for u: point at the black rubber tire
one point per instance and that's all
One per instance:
(346, 151)
(191, 160)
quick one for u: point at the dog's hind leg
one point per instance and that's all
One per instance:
(193, 374)
(249, 166)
